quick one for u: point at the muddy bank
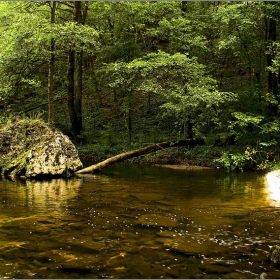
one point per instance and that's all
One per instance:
(183, 166)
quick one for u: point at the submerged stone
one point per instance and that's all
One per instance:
(192, 247)
(157, 221)
(31, 148)
(274, 254)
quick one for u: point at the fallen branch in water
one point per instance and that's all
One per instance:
(190, 143)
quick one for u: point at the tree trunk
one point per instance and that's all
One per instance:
(77, 11)
(190, 143)
(79, 91)
(80, 14)
(71, 93)
(129, 117)
(51, 72)
(272, 82)
(76, 59)
(74, 102)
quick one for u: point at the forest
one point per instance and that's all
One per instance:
(117, 76)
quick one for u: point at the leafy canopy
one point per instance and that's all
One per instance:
(181, 80)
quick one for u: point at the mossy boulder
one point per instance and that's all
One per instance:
(30, 148)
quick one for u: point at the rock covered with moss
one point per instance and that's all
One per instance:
(31, 148)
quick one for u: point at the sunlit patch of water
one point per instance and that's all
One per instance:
(272, 180)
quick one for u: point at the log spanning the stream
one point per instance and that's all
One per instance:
(190, 143)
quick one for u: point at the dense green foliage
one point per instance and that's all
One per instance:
(136, 73)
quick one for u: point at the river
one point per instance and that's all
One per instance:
(140, 222)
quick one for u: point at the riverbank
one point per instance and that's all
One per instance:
(231, 157)
(178, 156)
(183, 167)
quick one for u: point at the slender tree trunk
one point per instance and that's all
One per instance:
(76, 59)
(272, 79)
(128, 113)
(79, 91)
(189, 133)
(71, 93)
(272, 82)
(80, 14)
(129, 126)
(72, 99)
(51, 72)
(51, 86)
(77, 11)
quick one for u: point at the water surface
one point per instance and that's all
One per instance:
(139, 222)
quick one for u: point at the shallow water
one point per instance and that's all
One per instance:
(139, 222)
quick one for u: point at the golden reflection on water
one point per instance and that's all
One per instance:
(273, 187)
(55, 192)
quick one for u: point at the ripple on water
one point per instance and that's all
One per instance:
(166, 224)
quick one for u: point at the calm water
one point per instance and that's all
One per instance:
(139, 222)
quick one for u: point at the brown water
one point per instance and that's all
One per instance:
(139, 222)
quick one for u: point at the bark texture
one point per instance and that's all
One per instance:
(51, 71)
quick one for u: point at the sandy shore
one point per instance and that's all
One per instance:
(183, 167)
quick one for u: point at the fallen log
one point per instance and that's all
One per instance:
(190, 143)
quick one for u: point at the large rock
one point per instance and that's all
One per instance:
(31, 148)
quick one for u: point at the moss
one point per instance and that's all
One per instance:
(30, 149)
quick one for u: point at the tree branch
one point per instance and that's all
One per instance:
(44, 104)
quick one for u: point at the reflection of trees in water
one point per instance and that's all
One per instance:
(99, 178)
(31, 206)
(231, 186)
(13, 194)
(53, 193)
(261, 189)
